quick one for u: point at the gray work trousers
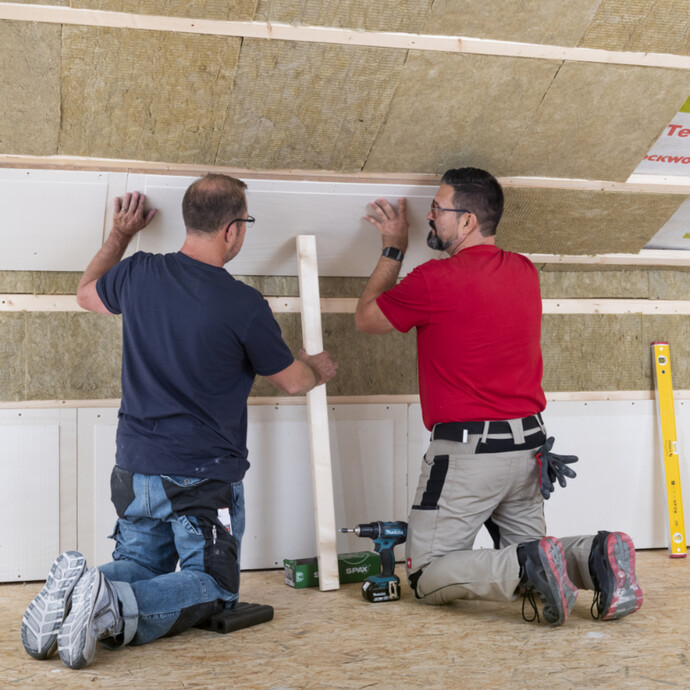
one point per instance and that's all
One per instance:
(458, 491)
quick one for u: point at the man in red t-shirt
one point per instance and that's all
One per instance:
(478, 320)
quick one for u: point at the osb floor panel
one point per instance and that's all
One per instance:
(337, 640)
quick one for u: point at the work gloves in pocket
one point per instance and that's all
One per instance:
(553, 467)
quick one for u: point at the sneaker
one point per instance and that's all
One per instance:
(543, 569)
(95, 614)
(45, 613)
(612, 567)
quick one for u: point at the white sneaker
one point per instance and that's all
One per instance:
(95, 614)
(50, 607)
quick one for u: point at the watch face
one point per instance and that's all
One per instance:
(393, 253)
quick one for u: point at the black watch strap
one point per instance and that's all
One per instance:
(393, 253)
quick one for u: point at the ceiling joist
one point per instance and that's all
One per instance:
(334, 35)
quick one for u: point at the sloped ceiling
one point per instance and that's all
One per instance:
(266, 105)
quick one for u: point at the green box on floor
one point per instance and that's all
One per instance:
(352, 567)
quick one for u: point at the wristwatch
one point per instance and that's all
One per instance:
(393, 253)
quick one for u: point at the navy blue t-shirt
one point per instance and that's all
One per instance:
(194, 338)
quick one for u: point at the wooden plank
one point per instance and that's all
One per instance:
(39, 303)
(336, 35)
(647, 184)
(317, 412)
(646, 257)
(615, 306)
(584, 396)
(347, 305)
(122, 165)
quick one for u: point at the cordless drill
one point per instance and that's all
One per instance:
(386, 536)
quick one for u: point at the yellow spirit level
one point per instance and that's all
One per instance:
(667, 427)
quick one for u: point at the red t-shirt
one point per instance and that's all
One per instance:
(478, 320)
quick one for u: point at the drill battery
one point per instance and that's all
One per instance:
(378, 588)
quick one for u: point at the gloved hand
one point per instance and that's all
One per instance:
(553, 467)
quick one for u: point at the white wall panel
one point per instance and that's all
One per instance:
(376, 450)
(55, 220)
(49, 220)
(369, 453)
(32, 496)
(620, 482)
(104, 515)
(96, 452)
(346, 244)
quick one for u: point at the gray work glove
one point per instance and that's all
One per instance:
(553, 467)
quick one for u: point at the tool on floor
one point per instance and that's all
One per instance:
(242, 615)
(386, 536)
(669, 451)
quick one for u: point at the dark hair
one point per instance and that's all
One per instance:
(212, 201)
(479, 192)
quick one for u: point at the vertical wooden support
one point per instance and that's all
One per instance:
(317, 411)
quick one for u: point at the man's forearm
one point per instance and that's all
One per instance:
(393, 227)
(384, 277)
(107, 256)
(368, 316)
(304, 373)
(129, 218)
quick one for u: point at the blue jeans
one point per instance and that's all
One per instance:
(163, 520)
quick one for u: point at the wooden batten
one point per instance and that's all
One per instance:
(347, 305)
(336, 35)
(317, 414)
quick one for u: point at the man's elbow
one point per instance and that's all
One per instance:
(88, 299)
(363, 324)
(291, 381)
(372, 325)
(294, 388)
(82, 300)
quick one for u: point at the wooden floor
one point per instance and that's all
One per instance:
(338, 640)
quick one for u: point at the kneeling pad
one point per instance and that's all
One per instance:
(242, 615)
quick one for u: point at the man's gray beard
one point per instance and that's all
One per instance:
(434, 242)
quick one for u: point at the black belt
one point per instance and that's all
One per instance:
(458, 431)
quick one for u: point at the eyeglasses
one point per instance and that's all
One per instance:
(436, 209)
(249, 220)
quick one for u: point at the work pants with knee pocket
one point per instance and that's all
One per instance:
(165, 520)
(490, 471)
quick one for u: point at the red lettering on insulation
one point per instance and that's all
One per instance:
(678, 130)
(685, 160)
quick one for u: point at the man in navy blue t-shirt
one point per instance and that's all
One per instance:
(194, 338)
